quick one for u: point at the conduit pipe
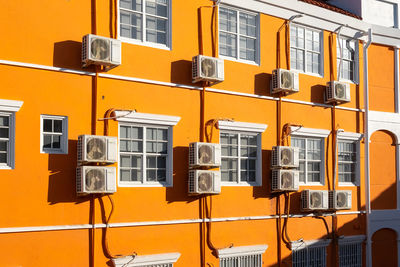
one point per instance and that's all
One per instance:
(366, 142)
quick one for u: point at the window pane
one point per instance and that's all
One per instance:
(162, 134)
(137, 133)
(157, 7)
(124, 132)
(125, 146)
(47, 141)
(131, 25)
(4, 132)
(125, 175)
(3, 157)
(161, 162)
(56, 141)
(156, 30)
(4, 121)
(247, 49)
(137, 162)
(131, 4)
(57, 126)
(137, 146)
(3, 145)
(151, 175)
(47, 125)
(247, 24)
(125, 161)
(136, 175)
(162, 148)
(227, 20)
(227, 44)
(151, 162)
(151, 147)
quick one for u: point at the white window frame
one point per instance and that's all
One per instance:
(296, 246)
(149, 120)
(9, 108)
(63, 139)
(245, 128)
(167, 46)
(321, 52)
(243, 251)
(357, 240)
(321, 134)
(356, 61)
(147, 260)
(352, 137)
(257, 46)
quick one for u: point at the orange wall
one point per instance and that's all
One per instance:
(383, 172)
(42, 186)
(381, 78)
(384, 248)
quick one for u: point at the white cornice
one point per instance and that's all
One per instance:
(351, 239)
(349, 136)
(136, 117)
(295, 245)
(10, 105)
(241, 126)
(301, 131)
(241, 251)
(146, 260)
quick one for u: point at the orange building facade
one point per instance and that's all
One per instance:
(150, 105)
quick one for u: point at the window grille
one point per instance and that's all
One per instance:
(309, 257)
(242, 261)
(350, 255)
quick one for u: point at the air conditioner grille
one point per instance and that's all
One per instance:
(205, 154)
(205, 182)
(192, 182)
(195, 67)
(341, 199)
(315, 200)
(286, 156)
(208, 68)
(286, 80)
(340, 90)
(100, 49)
(95, 180)
(287, 180)
(96, 148)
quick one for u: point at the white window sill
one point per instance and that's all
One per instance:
(348, 81)
(308, 73)
(53, 152)
(125, 184)
(239, 184)
(347, 184)
(4, 167)
(240, 60)
(148, 44)
(146, 260)
(311, 184)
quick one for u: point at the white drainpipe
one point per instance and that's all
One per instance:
(366, 142)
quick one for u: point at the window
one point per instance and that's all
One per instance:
(309, 253)
(143, 153)
(240, 152)
(145, 21)
(348, 56)
(54, 134)
(238, 34)
(350, 251)
(155, 260)
(145, 149)
(306, 49)
(246, 256)
(310, 159)
(6, 138)
(347, 161)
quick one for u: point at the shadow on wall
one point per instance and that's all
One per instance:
(62, 178)
(67, 54)
(262, 84)
(264, 191)
(181, 72)
(318, 93)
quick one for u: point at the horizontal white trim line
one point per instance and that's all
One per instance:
(302, 131)
(140, 80)
(44, 67)
(241, 126)
(10, 105)
(351, 239)
(349, 136)
(384, 117)
(132, 79)
(295, 245)
(241, 251)
(171, 222)
(136, 117)
(146, 260)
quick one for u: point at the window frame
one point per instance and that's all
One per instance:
(242, 251)
(237, 34)
(355, 138)
(63, 139)
(321, 51)
(132, 118)
(244, 128)
(356, 60)
(311, 133)
(143, 42)
(10, 164)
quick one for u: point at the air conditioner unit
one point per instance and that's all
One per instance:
(99, 50)
(314, 200)
(340, 199)
(209, 69)
(337, 92)
(284, 81)
(204, 182)
(285, 157)
(95, 180)
(285, 180)
(204, 154)
(95, 148)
